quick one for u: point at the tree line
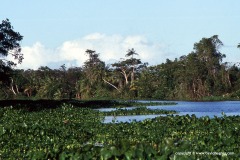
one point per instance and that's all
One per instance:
(194, 76)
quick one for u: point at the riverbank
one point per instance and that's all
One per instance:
(35, 105)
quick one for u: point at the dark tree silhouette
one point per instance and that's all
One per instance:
(9, 45)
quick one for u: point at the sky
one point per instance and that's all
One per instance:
(58, 32)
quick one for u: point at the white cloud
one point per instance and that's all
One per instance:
(36, 56)
(110, 47)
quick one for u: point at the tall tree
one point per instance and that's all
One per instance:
(208, 51)
(9, 45)
(93, 70)
(133, 63)
(128, 68)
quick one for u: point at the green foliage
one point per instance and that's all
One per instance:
(68, 132)
(9, 43)
(196, 76)
(215, 98)
(136, 111)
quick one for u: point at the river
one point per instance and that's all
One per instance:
(200, 109)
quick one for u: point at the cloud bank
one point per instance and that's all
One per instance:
(111, 49)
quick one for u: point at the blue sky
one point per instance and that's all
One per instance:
(58, 32)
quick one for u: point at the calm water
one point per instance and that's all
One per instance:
(200, 109)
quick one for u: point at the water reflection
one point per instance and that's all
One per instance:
(200, 109)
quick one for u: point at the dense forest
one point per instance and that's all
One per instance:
(198, 75)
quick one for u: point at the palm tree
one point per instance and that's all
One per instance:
(133, 63)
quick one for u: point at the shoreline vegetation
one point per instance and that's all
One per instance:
(71, 132)
(137, 111)
(93, 104)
